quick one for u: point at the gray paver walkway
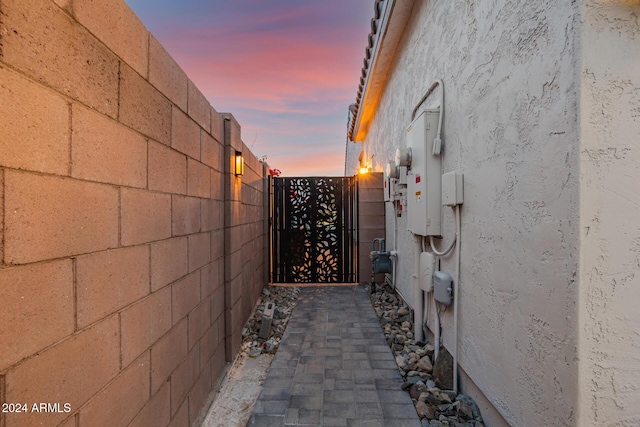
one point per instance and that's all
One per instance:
(334, 367)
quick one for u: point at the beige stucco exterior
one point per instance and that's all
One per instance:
(609, 274)
(541, 115)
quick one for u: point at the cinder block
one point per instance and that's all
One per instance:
(45, 43)
(371, 181)
(185, 295)
(218, 363)
(72, 371)
(369, 209)
(115, 24)
(217, 244)
(143, 107)
(199, 321)
(157, 412)
(145, 216)
(198, 107)
(198, 179)
(106, 151)
(185, 215)
(369, 222)
(217, 185)
(371, 195)
(217, 127)
(181, 416)
(222, 328)
(184, 377)
(168, 261)
(167, 169)
(217, 305)
(167, 353)
(185, 134)
(208, 344)
(236, 263)
(234, 340)
(143, 323)
(199, 393)
(166, 75)
(65, 4)
(367, 235)
(209, 279)
(2, 215)
(34, 131)
(199, 250)
(117, 404)
(212, 213)
(49, 217)
(37, 308)
(110, 280)
(212, 152)
(71, 421)
(233, 293)
(232, 131)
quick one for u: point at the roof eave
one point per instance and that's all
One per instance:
(393, 19)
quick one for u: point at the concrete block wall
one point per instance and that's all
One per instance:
(371, 222)
(124, 282)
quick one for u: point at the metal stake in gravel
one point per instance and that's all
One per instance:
(267, 318)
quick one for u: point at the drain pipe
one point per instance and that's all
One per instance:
(417, 310)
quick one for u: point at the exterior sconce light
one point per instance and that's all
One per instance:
(239, 163)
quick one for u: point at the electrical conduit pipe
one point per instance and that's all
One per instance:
(417, 310)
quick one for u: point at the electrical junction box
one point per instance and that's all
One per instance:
(443, 287)
(387, 189)
(427, 267)
(391, 190)
(424, 181)
(452, 189)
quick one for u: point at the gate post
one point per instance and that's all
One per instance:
(371, 223)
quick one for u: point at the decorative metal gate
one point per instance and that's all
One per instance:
(313, 230)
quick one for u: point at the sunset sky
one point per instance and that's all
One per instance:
(286, 69)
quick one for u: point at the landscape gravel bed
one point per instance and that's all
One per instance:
(428, 382)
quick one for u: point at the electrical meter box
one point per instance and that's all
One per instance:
(424, 180)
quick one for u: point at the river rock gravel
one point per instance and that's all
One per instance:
(435, 403)
(284, 299)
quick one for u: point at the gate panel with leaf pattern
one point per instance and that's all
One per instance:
(314, 227)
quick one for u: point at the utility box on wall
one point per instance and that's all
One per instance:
(424, 181)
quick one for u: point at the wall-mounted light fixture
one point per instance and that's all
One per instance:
(239, 162)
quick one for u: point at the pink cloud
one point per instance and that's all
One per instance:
(287, 69)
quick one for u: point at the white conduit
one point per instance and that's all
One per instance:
(417, 314)
(456, 282)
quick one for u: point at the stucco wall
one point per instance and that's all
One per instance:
(131, 255)
(609, 214)
(511, 126)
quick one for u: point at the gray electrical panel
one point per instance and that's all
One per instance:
(443, 287)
